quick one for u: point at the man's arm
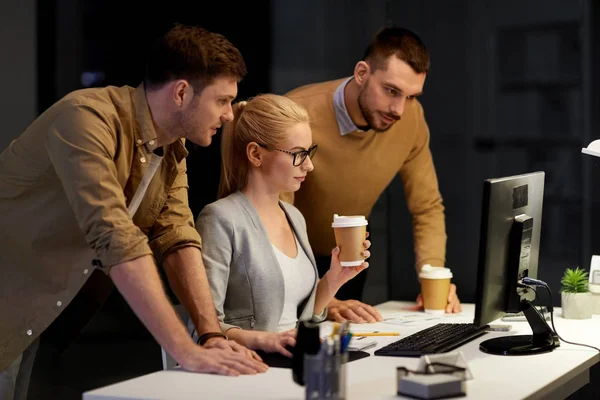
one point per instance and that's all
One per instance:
(425, 205)
(423, 198)
(187, 276)
(140, 284)
(81, 147)
(176, 245)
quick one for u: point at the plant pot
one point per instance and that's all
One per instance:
(576, 305)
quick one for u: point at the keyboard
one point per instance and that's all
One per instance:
(440, 338)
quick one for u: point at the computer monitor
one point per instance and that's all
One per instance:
(509, 246)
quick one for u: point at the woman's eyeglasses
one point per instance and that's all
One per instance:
(299, 156)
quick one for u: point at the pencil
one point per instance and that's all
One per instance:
(376, 334)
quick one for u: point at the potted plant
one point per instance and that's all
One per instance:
(575, 296)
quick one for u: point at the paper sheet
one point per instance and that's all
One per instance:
(416, 318)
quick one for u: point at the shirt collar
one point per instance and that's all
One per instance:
(179, 148)
(344, 121)
(146, 134)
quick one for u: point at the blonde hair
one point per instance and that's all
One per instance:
(265, 120)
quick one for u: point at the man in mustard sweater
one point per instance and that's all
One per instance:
(369, 127)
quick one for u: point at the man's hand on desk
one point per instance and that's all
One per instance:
(231, 345)
(453, 301)
(352, 310)
(220, 361)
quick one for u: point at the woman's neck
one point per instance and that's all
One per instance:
(264, 200)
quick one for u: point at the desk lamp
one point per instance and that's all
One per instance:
(593, 149)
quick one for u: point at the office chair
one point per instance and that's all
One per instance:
(169, 362)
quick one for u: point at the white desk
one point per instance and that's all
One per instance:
(552, 375)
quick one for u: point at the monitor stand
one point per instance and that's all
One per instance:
(543, 339)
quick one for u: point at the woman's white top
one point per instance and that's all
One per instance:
(298, 278)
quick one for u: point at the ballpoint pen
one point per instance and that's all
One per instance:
(358, 334)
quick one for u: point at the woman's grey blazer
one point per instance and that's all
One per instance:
(243, 272)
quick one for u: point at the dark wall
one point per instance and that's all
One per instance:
(17, 69)
(109, 39)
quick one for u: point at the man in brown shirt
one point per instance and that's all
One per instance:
(98, 181)
(370, 127)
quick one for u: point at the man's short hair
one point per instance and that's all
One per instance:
(194, 54)
(401, 42)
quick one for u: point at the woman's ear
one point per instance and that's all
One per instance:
(254, 154)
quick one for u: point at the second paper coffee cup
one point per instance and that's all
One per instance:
(350, 234)
(435, 287)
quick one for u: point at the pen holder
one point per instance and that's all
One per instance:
(325, 376)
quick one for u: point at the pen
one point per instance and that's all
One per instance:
(345, 341)
(336, 327)
(330, 346)
(376, 334)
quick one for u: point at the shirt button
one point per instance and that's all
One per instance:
(59, 303)
(29, 332)
(139, 141)
(143, 160)
(151, 143)
(85, 271)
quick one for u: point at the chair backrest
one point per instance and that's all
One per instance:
(169, 362)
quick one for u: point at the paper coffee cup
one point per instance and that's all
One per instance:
(435, 287)
(350, 234)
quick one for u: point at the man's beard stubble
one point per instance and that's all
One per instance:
(180, 127)
(367, 113)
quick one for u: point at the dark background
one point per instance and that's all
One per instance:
(512, 89)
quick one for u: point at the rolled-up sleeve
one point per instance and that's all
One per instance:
(174, 228)
(81, 147)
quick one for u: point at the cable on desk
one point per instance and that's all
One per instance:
(537, 282)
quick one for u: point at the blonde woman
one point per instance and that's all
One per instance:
(260, 265)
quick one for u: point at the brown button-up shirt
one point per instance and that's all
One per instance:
(65, 185)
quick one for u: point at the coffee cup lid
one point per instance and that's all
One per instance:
(346, 221)
(429, 272)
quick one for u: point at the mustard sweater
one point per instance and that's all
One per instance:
(352, 171)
